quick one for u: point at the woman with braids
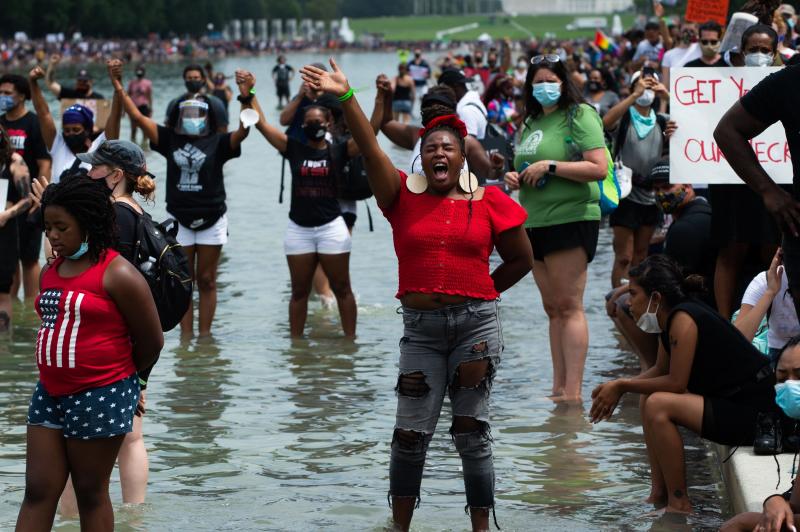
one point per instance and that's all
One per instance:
(445, 226)
(99, 326)
(440, 100)
(15, 179)
(707, 378)
(560, 153)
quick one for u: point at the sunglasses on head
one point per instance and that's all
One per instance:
(547, 58)
(707, 42)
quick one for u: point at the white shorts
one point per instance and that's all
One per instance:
(329, 239)
(216, 235)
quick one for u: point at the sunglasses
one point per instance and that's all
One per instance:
(548, 58)
(707, 42)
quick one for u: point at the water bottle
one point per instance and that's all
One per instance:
(148, 265)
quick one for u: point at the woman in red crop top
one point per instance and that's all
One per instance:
(99, 325)
(445, 226)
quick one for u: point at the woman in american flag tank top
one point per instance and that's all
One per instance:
(99, 326)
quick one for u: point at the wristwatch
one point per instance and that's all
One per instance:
(551, 169)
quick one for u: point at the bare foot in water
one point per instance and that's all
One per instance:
(657, 498)
(570, 399)
(669, 510)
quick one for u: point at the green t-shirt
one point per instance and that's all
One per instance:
(560, 200)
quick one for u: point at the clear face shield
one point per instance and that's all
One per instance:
(192, 118)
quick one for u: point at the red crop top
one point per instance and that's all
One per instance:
(84, 341)
(438, 250)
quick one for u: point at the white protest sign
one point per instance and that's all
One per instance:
(699, 97)
(3, 194)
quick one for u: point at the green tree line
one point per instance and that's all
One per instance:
(137, 18)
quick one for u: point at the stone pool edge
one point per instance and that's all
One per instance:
(749, 478)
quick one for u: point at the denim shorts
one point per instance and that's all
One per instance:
(95, 413)
(435, 343)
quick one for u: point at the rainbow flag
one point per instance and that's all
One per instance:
(604, 43)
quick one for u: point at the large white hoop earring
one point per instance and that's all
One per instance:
(467, 181)
(417, 183)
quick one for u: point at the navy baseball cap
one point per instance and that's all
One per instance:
(118, 153)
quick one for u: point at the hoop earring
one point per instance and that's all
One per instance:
(467, 181)
(417, 183)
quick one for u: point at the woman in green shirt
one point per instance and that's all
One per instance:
(560, 155)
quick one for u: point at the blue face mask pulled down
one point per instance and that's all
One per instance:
(82, 249)
(787, 395)
(643, 124)
(6, 102)
(547, 93)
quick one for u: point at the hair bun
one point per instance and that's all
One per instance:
(694, 285)
(145, 186)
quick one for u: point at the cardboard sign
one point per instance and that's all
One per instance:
(100, 108)
(704, 10)
(699, 97)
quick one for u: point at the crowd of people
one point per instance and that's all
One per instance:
(703, 286)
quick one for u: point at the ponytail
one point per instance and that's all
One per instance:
(660, 273)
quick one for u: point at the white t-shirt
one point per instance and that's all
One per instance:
(783, 322)
(63, 158)
(677, 57)
(652, 52)
(472, 112)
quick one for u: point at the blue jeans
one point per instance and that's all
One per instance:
(434, 344)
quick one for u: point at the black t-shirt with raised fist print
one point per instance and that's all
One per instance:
(195, 184)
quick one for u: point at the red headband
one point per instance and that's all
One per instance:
(446, 120)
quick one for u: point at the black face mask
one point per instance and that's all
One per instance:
(194, 85)
(314, 131)
(76, 143)
(595, 86)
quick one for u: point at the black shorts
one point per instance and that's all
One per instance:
(349, 219)
(282, 89)
(547, 240)
(732, 421)
(634, 215)
(738, 216)
(9, 254)
(30, 240)
(145, 110)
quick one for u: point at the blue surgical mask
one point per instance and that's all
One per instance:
(6, 102)
(193, 126)
(82, 249)
(648, 322)
(787, 395)
(547, 93)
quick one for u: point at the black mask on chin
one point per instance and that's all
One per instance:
(595, 86)
(194, 85)
(76, 143)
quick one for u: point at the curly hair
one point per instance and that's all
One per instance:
(88, 202)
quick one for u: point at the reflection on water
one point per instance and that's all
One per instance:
(254, 431)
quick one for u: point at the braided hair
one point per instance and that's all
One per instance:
(88, 202)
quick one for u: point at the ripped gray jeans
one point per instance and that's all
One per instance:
(435, 344)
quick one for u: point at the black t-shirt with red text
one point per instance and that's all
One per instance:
(26, 138)
(775, 98)
(315, 182)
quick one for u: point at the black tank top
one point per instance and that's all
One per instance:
(402, 93)
(725, 362)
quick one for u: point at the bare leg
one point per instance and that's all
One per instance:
(90, 463)
(567, 275)
(5, 313)
(301, 272)
(187, 322)
(31, 269)
(541, 277)
(663, 413)
(726, 274)
(207, 265)
(658, 486)
(133, 465)
(337, 268)
(641, 244)
(46, 471)
(623, 254)
(323, 287)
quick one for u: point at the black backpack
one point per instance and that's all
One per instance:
(164, 265)
(495, 140)
(354, 184)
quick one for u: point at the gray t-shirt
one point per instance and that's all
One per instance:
(640, 155)
(608, 100)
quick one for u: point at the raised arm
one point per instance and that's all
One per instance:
(21, 179)
(46, 122)
(147, 124)
(274, 136)
(114, 67)
(750, 315)
(246, 82)
(52, 84)
(287, 115)
(384, 180)
(505, 60)
(732, 134)
(615, 114)
(374, 120)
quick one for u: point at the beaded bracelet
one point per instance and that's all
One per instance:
(347, 95)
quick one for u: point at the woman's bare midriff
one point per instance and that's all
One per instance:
(420, 301)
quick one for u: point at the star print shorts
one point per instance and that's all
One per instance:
(95, 413)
